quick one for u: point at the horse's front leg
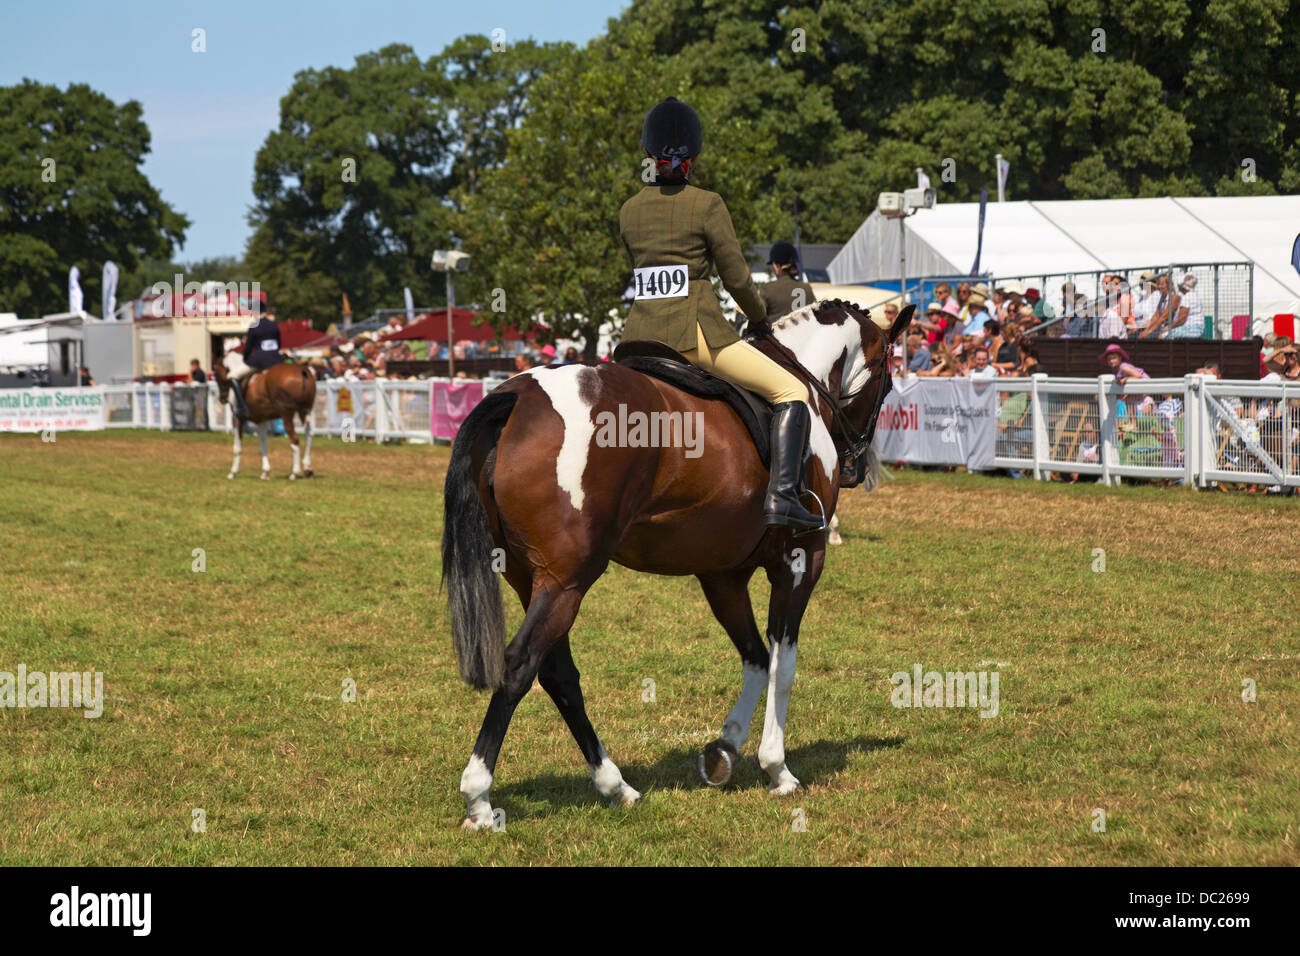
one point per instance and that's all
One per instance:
(728, 596)
(263, 430)
(793, 574)
(239, 447)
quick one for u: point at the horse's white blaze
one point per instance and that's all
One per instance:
(819, 347)
(475, 783)
(234, 362)
(736, 729)
(771, 752)
(563, 386)
(609, 782)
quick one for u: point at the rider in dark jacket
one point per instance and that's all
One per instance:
(261, 351)
(785, 293)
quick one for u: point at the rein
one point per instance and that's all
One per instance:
(858, 441)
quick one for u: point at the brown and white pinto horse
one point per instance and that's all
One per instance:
(281, 391)
(535, 480)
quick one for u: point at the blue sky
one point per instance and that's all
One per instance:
(208, 113)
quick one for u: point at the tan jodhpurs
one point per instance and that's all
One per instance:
(745, 366)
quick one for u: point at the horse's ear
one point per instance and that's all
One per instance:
(903, 321)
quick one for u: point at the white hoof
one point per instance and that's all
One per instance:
(293, 476)
(785, 786)
(477, 823)
(231, 475)
(626, 797)
(266, 476)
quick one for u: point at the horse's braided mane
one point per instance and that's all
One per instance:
(820, 307)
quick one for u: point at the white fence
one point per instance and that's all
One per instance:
(1193, 430)
(381, 409)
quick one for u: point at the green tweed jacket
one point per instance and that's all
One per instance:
(784, 295)
(685, 225)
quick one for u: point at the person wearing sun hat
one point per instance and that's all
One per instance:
(973, 314)
(1116, 359)
(1042, 311)
(935, 322)
(1148, 301)
(952, 321)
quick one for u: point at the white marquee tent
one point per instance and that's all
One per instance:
(1028, 238)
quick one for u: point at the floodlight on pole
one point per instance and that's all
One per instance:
(449, 261)
(899, 206)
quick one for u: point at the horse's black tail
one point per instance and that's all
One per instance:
(478, 624)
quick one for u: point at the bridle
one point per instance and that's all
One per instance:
(855, 441)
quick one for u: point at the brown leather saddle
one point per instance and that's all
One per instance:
(661, 361)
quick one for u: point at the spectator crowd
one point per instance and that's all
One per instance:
(964, 332)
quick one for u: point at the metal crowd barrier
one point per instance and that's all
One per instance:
(1193, 430)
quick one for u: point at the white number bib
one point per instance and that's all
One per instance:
(268, 346)
(660, 282)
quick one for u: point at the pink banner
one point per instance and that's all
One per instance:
(451, 404)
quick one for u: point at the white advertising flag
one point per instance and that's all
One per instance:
(1004, 167)
(110, 291)
(74, 290)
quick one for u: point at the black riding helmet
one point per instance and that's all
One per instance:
(672, 132)
(782, 254)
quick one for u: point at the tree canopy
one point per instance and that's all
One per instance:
(72, 194)
(524, 152)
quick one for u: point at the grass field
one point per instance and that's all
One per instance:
(1119, 690)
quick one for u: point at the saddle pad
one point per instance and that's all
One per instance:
(697, 382)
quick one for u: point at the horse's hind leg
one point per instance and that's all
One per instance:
(549, 617)
(306, 452)
(263, 430)
(728, 596)
(293, 443)
(559, 678)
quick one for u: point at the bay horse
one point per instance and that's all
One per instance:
(532, 490)
(281, 391)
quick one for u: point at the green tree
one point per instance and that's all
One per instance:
(353, 190)
(72, 193)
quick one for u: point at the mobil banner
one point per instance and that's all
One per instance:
(60, 409)
(939, 421)
(451, 405)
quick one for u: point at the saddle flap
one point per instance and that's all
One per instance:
(676, 371)
(648, 348)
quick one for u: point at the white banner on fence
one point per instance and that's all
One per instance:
(349, 402)
(62, 409)
(939, 421)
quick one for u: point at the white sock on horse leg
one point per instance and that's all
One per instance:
(771, 752)
(736, 729)
(609, 782)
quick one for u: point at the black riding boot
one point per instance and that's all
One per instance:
(791, 422)
(237, 392)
